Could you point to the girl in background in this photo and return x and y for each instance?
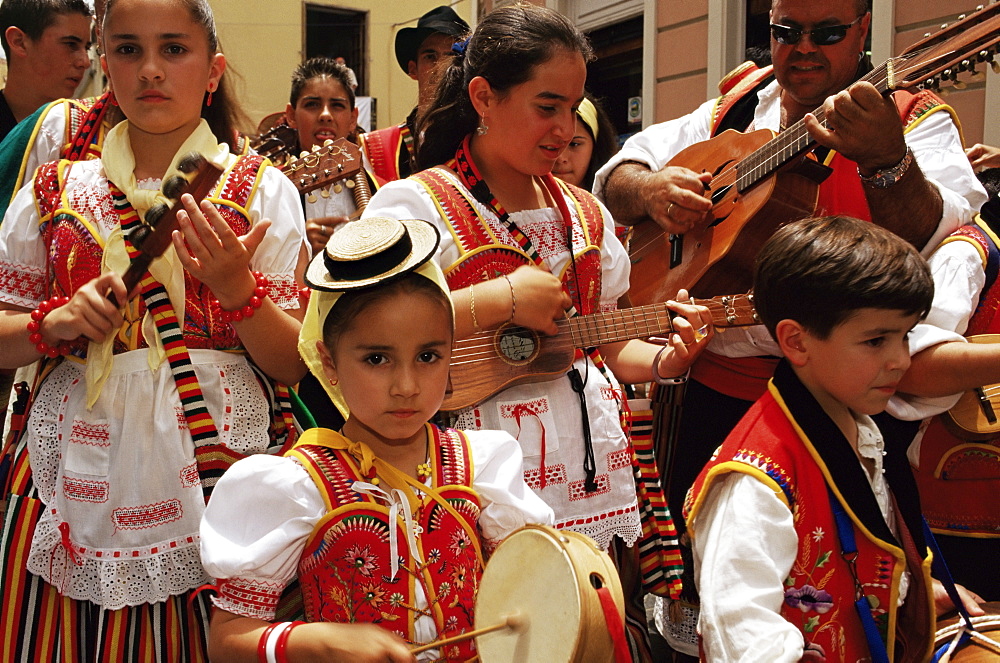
(595, 140)
(100, 542)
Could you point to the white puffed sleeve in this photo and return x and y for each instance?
(255, 528)
(498, 477)
(277, 200)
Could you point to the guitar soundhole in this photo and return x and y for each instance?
(516, 345)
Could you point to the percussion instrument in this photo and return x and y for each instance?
(540, 601)
(982, 647)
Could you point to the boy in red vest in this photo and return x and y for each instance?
(806, 526)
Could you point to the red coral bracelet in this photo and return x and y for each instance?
(256, 301)
(35, 328)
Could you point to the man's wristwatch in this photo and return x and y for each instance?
(886, 177)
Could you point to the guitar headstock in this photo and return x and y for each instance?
(276, 143)
(945, 56)
(152, 238)
(325, 164)
(731, 310)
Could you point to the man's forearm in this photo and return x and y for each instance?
(623, 193)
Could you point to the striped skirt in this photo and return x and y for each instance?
(38, 625)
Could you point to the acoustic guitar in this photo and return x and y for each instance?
(976, 415)
(492, 360)
(761, 181)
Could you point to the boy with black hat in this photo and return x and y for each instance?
(390, 151)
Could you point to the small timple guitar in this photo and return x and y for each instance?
(976, 416)
(492, 360)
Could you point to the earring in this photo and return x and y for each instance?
(482, 129)
(208, 102)
(111, 98)
(334, 382)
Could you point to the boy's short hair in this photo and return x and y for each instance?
(34, 16)
(315, 68)
(819, 270)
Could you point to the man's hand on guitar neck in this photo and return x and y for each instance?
(865, 127)
(676, 198)
(862, 125)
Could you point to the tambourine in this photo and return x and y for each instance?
(982, 647)
(548, 596)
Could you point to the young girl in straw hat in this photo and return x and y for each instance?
(386, 520)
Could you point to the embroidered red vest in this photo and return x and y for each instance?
(65, 232)
(345, 571)
(488, 251)
(958, 479)
(769, 445)
(384, 149)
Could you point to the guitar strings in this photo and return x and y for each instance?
(764, 160)
(601, 328)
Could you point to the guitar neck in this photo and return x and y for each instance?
(651, 320)
(795, 140)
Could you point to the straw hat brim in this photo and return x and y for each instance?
(361, 258)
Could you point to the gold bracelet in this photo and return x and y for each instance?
(513, 303)
(472, 306)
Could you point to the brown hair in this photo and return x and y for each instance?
(225, 115)
(505, 48)
(819, 270)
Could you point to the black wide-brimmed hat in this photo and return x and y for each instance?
(440, 19)
(369, 251)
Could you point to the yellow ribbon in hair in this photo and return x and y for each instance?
(588, 113)
(119, 167)
(320, 303)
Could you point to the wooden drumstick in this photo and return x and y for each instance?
(513, 622)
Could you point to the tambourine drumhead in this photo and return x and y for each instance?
(547, 578)
(973, 652)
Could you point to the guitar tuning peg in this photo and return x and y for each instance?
(324, 192)
(327, 143)
(995, 66)
(190, 163)
(154, 213)
(303, 153)
(977, 77)
(173, 187)
(944, 26)
(311, 197)
(926, 35)
(349, 184)
(315, 148)
(961, 17)
(337, 188)
(960, 85)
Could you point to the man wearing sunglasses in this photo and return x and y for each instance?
(898, 163)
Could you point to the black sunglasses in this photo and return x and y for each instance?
(824, 36)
